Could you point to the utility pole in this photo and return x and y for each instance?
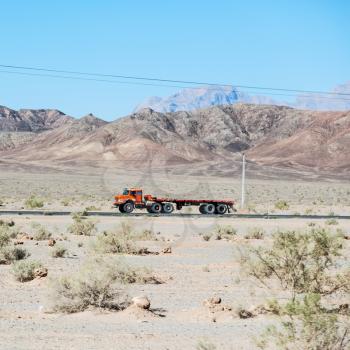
(243, 182)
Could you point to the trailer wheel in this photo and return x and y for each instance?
(156, 208)
(128, 207)
(209, 208)
(202, 208)
(221, 209)
(167, 208)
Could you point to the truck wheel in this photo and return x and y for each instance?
(202, 208)
(128, 207)
(210, 208)
(156, 208)
(121, 208)
(221, 209)
(167, 208)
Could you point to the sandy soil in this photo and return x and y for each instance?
(194, 271)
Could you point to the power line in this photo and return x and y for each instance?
(153, 84)
(172, 81)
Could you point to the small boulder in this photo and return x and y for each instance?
(244, 314)
(141, 302)
(166, 250)
(51, 242)
(40, 272)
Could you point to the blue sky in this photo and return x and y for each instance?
(289, 44)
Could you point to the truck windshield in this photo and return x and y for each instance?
(125, 192)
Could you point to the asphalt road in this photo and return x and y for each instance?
(118, 214)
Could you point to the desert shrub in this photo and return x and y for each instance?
(255, 233)
(206, 236)
(99, 283)
(305, 324)
(282, 205)
(9, 223)
(146, 235)
(82, 226)
(225, 231)
(40, 232)
(119, 241)
(25, 270)
(115, 242)
(34, 202)
(65, 202)
(59, 251)
(10, 254)
(331, 222)
(4, 236)
(300, 261)
(205, 345)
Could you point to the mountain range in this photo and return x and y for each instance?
(269, 135)
(196, 98)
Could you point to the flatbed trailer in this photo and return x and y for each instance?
(133, 198)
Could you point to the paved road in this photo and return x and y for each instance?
(118, 214)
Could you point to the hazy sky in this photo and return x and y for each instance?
(291, 44)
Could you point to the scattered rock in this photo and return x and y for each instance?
(18, 242)
(166, 250)
(40, 272)
(51, 242)
(141, 302)
(212, 301)
(244, 314)
(347, 236)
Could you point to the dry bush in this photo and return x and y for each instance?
(255, 233)
(205, 345)
(145, 235)
(331, 222)
(82, 226)
(34, 202)
(282, 205)
(119, 241)
(59, 251)
(306, 325)
(8, 253)
(40, 232)
(300, 261)
(206, 236)
(99, 283)
(25, 270)
(225, 232)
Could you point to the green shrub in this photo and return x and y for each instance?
(282, 205)
(306, 325)
(25, 270)
(300, 261)
(34, 202)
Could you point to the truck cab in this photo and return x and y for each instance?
(129, 199)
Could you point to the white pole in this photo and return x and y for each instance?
(243, 182)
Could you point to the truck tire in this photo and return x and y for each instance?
(210, 208)
(202, 208)
(167, 208)
(128, 207)
(121, 208)
(221, 209)
(156, 208)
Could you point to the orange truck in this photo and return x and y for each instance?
(132, 198)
